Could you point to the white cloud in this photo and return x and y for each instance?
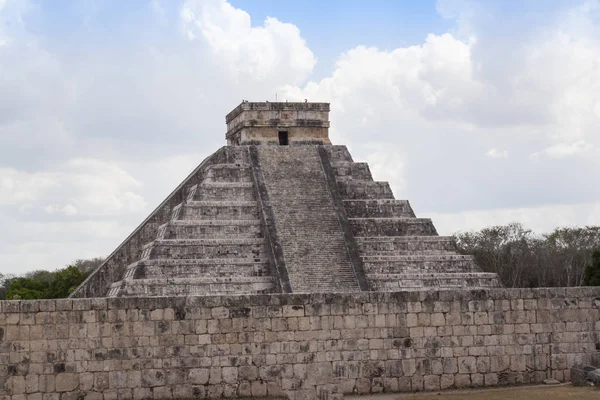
(432, 79)
(17, 187)
(51, 208)
(386, 165)
(68, 209)
(494, 153)
(92, 187)
(448, 104)
(562, 150)
(54, 244)
(541, 219)
(276, 48)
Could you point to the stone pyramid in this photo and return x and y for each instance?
(281, 210)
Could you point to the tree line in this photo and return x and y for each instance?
(43, 284)
(567, 256)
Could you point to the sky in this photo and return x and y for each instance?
(479, 113)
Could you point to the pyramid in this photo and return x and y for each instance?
(282, 210)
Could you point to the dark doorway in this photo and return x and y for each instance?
(283, 138)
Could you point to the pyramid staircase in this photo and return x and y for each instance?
(212, 244)
(399, 251)
(313, 244)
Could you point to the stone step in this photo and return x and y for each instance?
(166, 262)
(355, 189)
(405, 245)
(392, 227)
(205, 248)
(229, 173)
(242, 191)
(443, 263)
(206, 229)
(216, 270)
(198, 286)
(142, 267)
(235, 155)
(352, 170)
(420, 258)
(161, 268)
(338, 153)
(326, 283)
(378, 208)
(219, 210)
(394, 282)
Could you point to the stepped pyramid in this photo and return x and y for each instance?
(280, 210)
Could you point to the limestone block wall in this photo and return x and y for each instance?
(259, 123)
(294, 344)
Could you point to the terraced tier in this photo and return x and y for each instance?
(205, 248)
(359, 189)
(405, 245)
(197, 286)
(398, 250)
(224, 173)
(205, 229)
(419, 281)
(392, 227)
(212, 244)
(419, 263)
(378, 208)
(351, 170)
(239, 191)
(219, 210)
(338, 154)
(193, 268)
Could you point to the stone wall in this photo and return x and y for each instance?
(207, 347)
(259, 123)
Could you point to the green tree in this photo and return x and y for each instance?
(46, 284)
(4, 284)
(64, 282)
(592, 271)
(26, 289)
(523, 258)
(87, 266)
(40, 276)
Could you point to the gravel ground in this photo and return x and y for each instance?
(554, 392)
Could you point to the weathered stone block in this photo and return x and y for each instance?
(66, 382)
(431, 382)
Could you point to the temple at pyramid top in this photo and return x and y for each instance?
(279, 123)
(282, 210)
